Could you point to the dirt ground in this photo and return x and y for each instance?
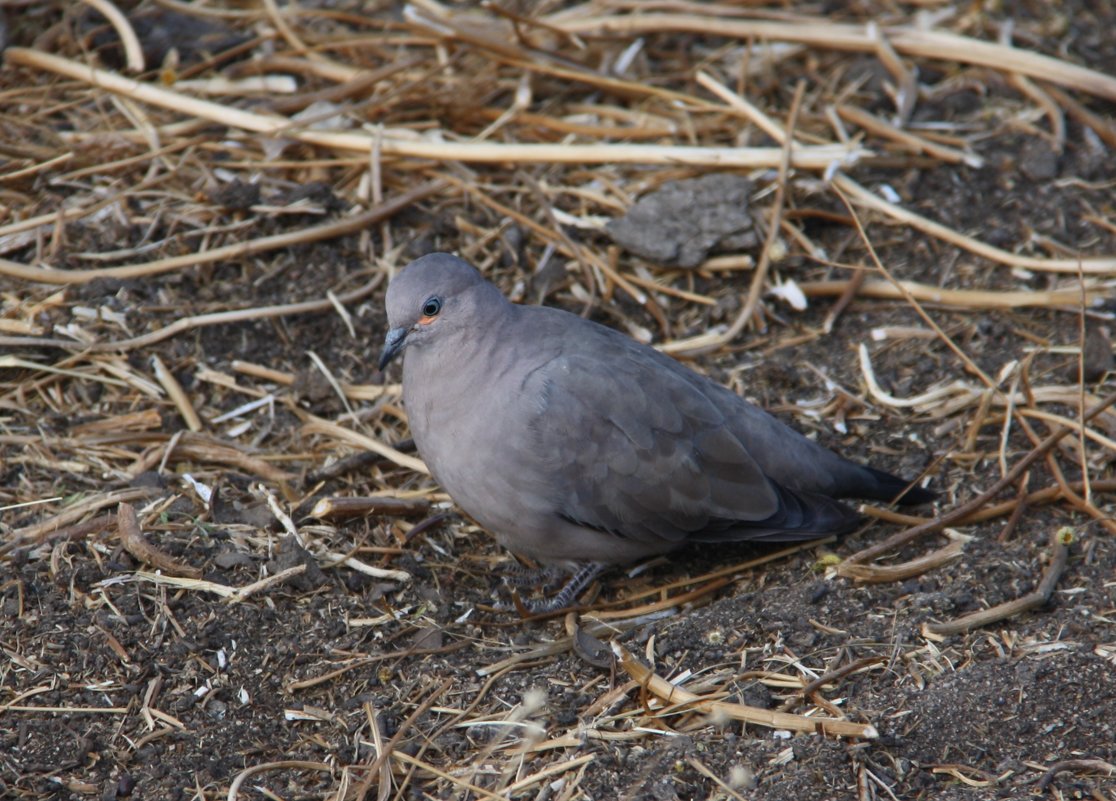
(377, 664)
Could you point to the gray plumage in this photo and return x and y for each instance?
(572, 442)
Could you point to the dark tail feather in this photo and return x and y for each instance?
(800, 516)
(886, 487)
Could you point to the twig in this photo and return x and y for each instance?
(1099, 765)
(316, 425)
(672, 694)
(959, 513)
(74, 532)
(909, 40)
(703, 769)
(863, 197)
(1100, 127)
(851, 289)
(1022, 503)
(373, 770)
(68, 710)
(346, 225)
(476, 790)
(906, 139)
(38, 531)
(907, 94)
(185, 324)
(1032, 600)
(345, 507)
(877, 574)
(133, 52)
(131, 537)
(231, 595)
(1052, 110)
(704, 343)
(177, 394)
(961, 298)
(286, 764)
(839, 673)
(807, 158)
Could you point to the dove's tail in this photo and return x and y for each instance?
(799, 516)
(880, 486)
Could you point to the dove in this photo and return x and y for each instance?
(577, 446)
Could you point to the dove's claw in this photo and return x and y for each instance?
(579, 580)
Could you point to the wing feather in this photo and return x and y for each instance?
(641, 451)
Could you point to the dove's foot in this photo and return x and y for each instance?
(544, 577)
(581, 578)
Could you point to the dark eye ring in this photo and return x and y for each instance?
(432, 307)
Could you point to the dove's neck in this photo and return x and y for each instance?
(445, 378)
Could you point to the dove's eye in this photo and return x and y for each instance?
(432, 307)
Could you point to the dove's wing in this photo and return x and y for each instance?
(637, 448)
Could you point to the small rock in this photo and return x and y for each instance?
(1038, 161)
(427, 638)
(236, 195)
(231, 558)
(684, 221)
(311, 386)
(291, 554)
(1097, 355)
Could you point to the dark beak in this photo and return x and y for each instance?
(393, 343)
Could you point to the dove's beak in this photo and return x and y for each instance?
(393, 343)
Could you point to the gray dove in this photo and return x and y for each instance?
(576, 445)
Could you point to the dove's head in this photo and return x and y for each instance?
(434, 299)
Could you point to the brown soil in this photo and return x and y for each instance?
(116, 684)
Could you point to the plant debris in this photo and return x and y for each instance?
(224, 572)
(684, 222)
